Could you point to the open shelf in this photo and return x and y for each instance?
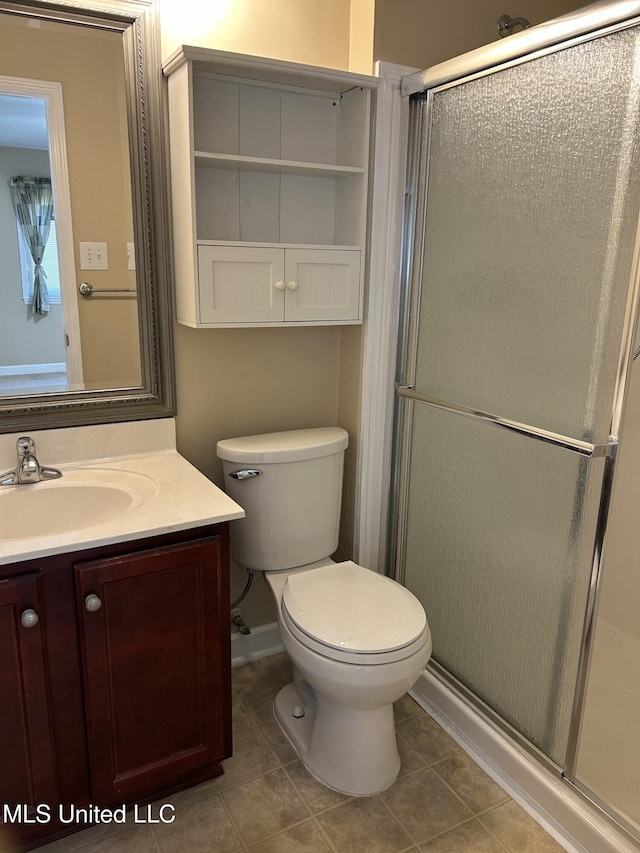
(269, 189)
(273, 166)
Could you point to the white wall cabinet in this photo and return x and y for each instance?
(259, 285)
(269, 175)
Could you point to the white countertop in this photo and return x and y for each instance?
(176, 497)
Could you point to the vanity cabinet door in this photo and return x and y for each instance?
(28, 771)
(154, 629)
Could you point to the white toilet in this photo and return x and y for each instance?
(357, 639)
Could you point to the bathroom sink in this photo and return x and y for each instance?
(84, 497)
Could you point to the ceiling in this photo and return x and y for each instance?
(23, 122)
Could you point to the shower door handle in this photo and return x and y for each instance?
(244, 474)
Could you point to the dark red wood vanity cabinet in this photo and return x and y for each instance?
(115, 682)
(27, 775)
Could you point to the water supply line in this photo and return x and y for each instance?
(236, 613)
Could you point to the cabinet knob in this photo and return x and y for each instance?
(292, 285)
(29, 618)
(279, 285)
(92, 603)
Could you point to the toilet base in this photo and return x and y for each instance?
(351, 750)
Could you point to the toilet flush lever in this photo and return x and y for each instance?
(244, 474)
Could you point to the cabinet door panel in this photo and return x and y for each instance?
(27, 774)
(327, 284)
(237, 285)
(154, 695)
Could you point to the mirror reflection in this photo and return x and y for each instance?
(65, 211)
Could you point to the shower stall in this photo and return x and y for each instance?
(515, 521)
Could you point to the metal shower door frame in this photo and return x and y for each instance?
(598, 20)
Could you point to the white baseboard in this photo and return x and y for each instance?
(552, 802)
(28, 369)
(260, 643)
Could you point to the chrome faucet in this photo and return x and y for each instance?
(28, 469)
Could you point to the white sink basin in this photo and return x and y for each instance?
(83, 497)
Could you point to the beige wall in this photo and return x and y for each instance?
(234, 382)
(421, 33)
(91, 70)
(361, 36)
(296, 30)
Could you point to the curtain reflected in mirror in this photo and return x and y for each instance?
(33, 199)
(63, 125)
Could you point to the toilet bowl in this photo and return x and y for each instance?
(357, 640)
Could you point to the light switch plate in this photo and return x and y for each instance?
(93, 256)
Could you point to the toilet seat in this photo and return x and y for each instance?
(351, 614)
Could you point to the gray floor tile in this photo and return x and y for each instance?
(424, 805)
(471, 837)
(364, 824)
(280, 745)
(138, 840)
(265, 806)
(518, 831)
(470, 782)
(268, 802)
(306, 837)
(100, 831)
(252, 672)
(428, 739)
(257, 698)
(317, 796)
(59, 846)
(200, 827)
(252, 756)
(410, 759)
(241, 717)
(406, 707)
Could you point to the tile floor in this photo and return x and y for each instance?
(267, 802)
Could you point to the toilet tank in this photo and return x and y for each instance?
(290, 486)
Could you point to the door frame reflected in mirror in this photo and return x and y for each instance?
(136, 20)
(50, 93)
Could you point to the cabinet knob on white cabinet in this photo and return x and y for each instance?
(29, 618)
(279, 285)
(292, 285)
(92, 603)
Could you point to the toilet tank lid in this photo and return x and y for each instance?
(290, 446)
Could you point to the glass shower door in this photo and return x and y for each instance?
(528, 197)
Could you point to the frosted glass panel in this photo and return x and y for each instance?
(608, 760)
(499, 541)
(533, 199)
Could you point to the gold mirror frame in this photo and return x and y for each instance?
(136, 20)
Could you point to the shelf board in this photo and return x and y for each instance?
(278, 167)
(270, 70)
(253, 244)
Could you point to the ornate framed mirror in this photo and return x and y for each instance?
(85, 301)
